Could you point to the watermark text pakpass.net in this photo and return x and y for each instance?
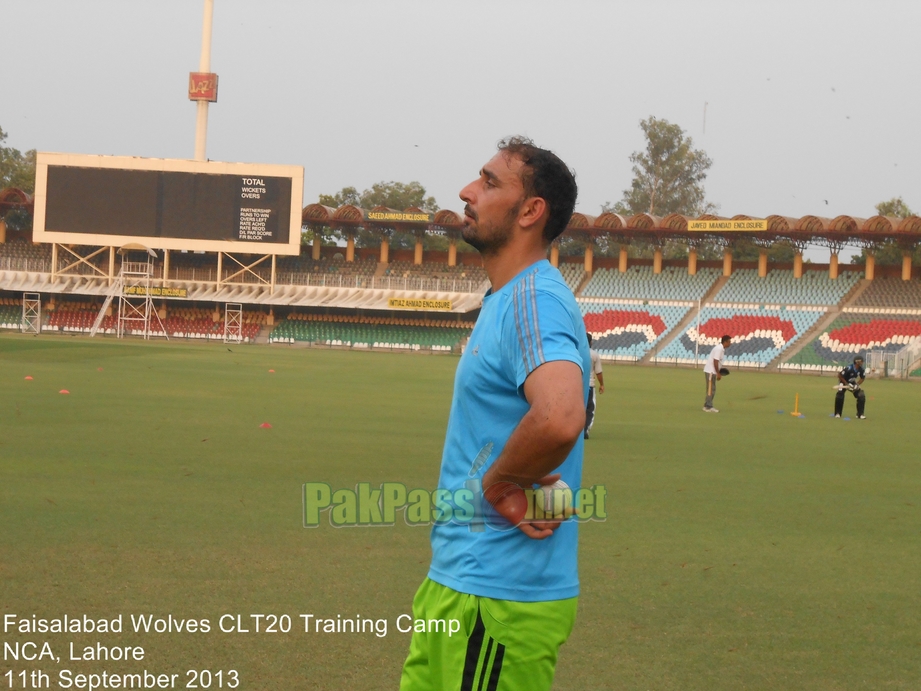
(370, 506)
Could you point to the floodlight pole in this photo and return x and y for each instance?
(204, 65)
(697, 340)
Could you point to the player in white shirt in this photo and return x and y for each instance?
(596, 374)
(712, 373)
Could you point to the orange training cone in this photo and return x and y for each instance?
(265, 425)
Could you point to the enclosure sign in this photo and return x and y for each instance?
(728, 225)
(417, 304)
(399, 216)
(157, 292)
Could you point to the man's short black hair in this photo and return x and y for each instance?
(544, 175)
(589, 337)
(725, 338)
(858, 357)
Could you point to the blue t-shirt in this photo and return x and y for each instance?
(531, 320)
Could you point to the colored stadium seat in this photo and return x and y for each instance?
(779, 287)
(628, 331)
(376, 332)
(639, 282)
(759, 335)
(854, 334)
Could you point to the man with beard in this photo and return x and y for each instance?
(517, 415)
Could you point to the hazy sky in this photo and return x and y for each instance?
(807, 101)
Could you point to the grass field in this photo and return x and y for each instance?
(745, 550)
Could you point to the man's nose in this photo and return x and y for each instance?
(467, 195)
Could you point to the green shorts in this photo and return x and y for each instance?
(500, 645)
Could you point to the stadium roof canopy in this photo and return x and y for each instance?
(799, 231)
(616, 227)
(12, 198)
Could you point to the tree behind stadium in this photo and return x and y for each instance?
(17, 170)
(668, 178)
(393, 195)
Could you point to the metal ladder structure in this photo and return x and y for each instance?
(114, 290)
(31, 313)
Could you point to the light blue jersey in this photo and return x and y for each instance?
(533, 319)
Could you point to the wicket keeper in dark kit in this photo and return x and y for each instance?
(851, 378)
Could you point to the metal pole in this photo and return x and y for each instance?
(204, 65)
(697, 340)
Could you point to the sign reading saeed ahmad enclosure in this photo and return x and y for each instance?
(418, 304)
(400, 216)
(753, 224)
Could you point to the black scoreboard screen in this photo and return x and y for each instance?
(181, 209)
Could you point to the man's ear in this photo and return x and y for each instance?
(533, 211)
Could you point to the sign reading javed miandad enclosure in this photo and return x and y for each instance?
(729, 225)
(168, 204)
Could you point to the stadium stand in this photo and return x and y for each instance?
(185, 322)
(629, 331)
(327, 265)
(856, 333)
(435, 270)
(19, 255)
(573, 274)
(10, 313)
(181, 322)
(759, 335)
(779, 287)
(76, 317)
(639, 282)
(889, 293)
(371, 332)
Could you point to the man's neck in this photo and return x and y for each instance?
(510, 261)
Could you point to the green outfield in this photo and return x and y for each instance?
(745, 550)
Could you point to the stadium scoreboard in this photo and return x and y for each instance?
(168, 203)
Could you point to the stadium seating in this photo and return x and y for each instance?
(186, 322)
(890, 293)
(18, 255)
(435, 270)
(181, 322)
(10, 313)
(854, 334)
(759, 335)
(628, 331)
(75, 316)
(573, 274)
(639, 282)
(327, 265)
(779, 287)
(374, 332)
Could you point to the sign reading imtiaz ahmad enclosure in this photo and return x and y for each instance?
(157, 292)
(729, 225)
(418, 304)
(399, 216)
